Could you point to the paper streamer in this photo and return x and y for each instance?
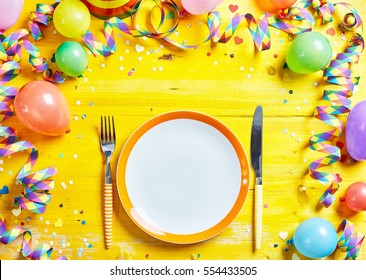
(37, 184)
(259, 29)
(42, 252)
(349, 241)
(11, 54)
(339, 74)
(41, 17)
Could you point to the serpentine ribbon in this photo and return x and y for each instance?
(42, 252)
(338, 73)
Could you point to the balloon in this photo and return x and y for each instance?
(315, 238)
(199, 7)
(308, 53)
(112, 8)
(283, 4)
(71, 18)
(356, 196)
(71, 58)
(356, 133)
(42, 108)
(267, 6)
(9, 12)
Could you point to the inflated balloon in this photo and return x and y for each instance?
(308, 53)
(112, 8)
(267, 6)
(71, 18)
(283, 4)
(200, 7)
(42, 108)
(71, 58)
(315, 238)
(356, 133)
(356, 196)
(9, 12)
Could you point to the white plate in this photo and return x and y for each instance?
(183, 177)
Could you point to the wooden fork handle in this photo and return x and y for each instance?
(108, 214)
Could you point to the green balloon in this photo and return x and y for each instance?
(309, 53)
(71, 58)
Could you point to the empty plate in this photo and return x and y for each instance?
(183, 177)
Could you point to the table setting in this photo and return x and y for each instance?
(182, 130)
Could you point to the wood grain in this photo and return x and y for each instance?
(226, 81)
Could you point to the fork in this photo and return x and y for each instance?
(108, 144)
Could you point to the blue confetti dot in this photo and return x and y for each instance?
(83, 222)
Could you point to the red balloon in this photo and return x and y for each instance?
(356, 196)
(283, 4)
(42, 108)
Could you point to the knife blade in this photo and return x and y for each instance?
(256, 144)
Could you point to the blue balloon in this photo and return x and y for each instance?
(315, 238)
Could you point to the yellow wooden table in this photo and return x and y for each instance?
(147, 77)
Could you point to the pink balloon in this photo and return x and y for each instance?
(42, 108)
(199, 7)
(356, 196)
(9, 12)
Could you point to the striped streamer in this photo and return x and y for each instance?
(41, 17)
(42, 252)
(349, 241)
(339, 74)
(36, 185)
(11, 55)
(259, 29)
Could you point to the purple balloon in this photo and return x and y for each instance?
(356, 132)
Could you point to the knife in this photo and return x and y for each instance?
(256, 159)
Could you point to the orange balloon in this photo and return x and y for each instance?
(42, 108)
(283, 4)
(267, 6)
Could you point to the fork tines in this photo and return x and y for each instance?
(107, 132)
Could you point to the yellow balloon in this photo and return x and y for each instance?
(71, 18)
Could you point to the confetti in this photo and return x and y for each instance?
(4, 190)
(16, 212)
(58, 223)
(283, 235)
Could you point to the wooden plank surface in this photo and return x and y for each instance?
(226, 81)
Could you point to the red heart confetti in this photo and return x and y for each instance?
(233, 8)
(331, 31)
(238, 40)
(340, 144)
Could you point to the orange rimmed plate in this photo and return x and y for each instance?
(183, 177)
